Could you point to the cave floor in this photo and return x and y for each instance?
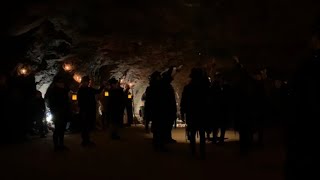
(132, 157)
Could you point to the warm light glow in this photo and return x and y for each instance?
(106, 93)
(74, 97)
(23, 71)
(129, 96)
(122, 81)
(67, 67)
(77, 78)
(130, 85)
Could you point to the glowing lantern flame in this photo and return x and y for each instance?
(23, 71)
(106, 93)
(67, 67)
(77, 78)
(74, 97)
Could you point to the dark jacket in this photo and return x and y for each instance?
(194, 104)
(87, 98)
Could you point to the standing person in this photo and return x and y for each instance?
(57, 97)
(218, 109)
(142, 110)
(106, 107)
(154, 111)
(128, 104)
(303, 132)
(194, 108)
(169, 108)
(88, 108)
(116, 107)
(39, 108)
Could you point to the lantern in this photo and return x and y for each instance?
(23, 71)
(67, 67)
(129, 96)
(77, 78)
(106, 93)
(74, 97)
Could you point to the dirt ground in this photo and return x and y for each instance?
(132, 157)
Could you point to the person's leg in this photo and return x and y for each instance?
(222, 134)
(56, 137)
(129, 115)
(192, 139)
(202, 143)
(84, 129)
(62, 130)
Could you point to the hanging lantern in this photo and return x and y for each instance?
(77, 78)
(74, 97)
(106, 93)
(23, 70)
(67, 67)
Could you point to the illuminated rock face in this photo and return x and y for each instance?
(136, 37)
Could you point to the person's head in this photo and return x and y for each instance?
(113, 83)
(127, 86)
(167, 76)
(196, 74)
(59, 82)
(85, 81)
(38, 94)
(155, 76)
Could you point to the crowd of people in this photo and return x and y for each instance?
(208, 106)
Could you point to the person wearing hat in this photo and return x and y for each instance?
(88, 108)
(116, 107)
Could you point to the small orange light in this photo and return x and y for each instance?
(74, 97)
(77, 78)
(129, 96)
(67, 67)
(23, 71)
(106, 93)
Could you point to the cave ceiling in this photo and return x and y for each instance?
(106, 38)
